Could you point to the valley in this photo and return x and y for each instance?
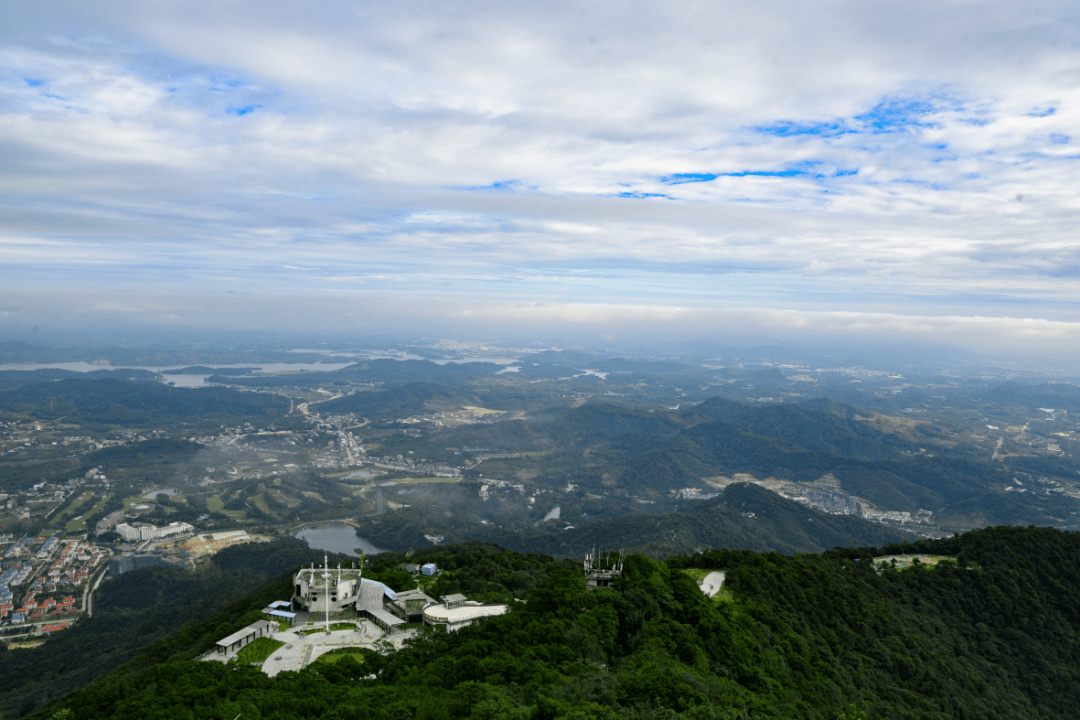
(414, 449)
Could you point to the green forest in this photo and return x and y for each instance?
(989, 632)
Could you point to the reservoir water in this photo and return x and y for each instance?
(182, 380)
(339, 538)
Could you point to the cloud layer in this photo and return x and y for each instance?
(906, 159)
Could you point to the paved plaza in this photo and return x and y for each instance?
(300, 650)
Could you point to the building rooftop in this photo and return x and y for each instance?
(245, 632)
(416, 594)
(462, 613)
(385, 617)
(386, 590)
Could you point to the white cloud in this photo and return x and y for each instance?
(904, 157)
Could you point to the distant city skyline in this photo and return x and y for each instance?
(850, 172)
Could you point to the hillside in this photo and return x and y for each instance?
(1044, 395)
(991, 633)
(390, 372)
(18, 378)
(139, 608)
(822, 425)
(405, 401)
(894, 464)
(110, 400)
(744, 516)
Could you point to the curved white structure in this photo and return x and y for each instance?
(458, 617)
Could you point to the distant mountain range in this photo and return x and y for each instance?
(894, 465)
(110, 400)
(390, 372)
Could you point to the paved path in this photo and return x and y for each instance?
(88, 593)
(300, 650)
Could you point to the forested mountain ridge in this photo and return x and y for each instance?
(821, 424)
(110, 400)
(404, 401)
(894, 464)
(18, 378)
(744, 515)
(992, 633)
(392, 372)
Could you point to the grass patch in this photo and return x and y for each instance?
(78, 502)
(699, 575)
(284, 499)
(135, 500)
(259, 650)
(334, 656)
(260, 502)
(99, 504)
(63, 519)
(313, 495)
(417, 480)
(322, 628)
(215, 504)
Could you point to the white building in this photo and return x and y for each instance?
(326, 589)
(129, 532)
(174, 528)
(451, 616)
(146, 531)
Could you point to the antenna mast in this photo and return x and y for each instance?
(326, 589)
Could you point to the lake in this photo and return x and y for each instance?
(339, 538)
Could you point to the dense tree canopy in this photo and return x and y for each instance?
(993, 634)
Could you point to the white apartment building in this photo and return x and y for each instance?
(146, 531)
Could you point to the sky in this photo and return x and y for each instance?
(718, 170)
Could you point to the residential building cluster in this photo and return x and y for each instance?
(72, 568)
(54, 569)
(20, 549)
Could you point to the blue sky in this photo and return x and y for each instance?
(843, 169)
